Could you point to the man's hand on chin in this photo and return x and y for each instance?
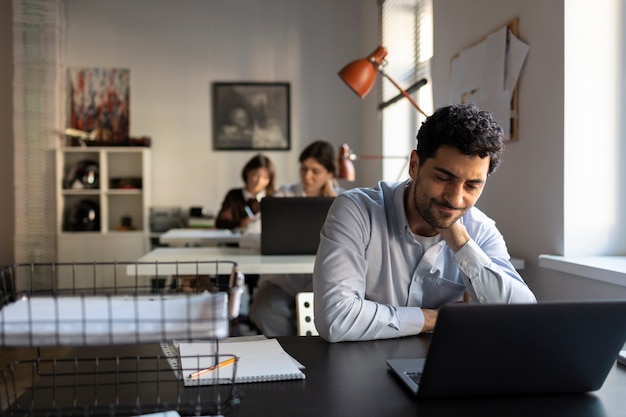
(455, 236)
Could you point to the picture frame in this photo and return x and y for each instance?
(251, 116)
(99, 103)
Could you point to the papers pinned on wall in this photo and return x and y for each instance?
(487, 74)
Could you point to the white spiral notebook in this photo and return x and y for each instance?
(257, 361)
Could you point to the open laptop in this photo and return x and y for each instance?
(291, 225)
(518, 349)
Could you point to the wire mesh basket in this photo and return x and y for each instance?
(108, 386)
(95, 313)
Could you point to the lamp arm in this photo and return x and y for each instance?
(354, 157)
(421, 83)
(404, 93)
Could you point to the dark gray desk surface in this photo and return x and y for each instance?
(352, 379)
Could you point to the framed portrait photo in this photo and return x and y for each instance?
(251, 116)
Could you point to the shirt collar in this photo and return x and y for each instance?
(402, 221)
(247, 195)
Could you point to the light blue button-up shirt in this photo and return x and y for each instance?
(372, 275)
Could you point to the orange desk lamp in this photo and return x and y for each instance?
(360, 76)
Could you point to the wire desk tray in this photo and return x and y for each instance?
(96, 311)
(109, 386)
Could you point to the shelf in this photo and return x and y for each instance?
(81, 192)
(124, 192)
(97, 169)
(115, 195)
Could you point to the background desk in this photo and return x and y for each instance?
(248, 260)
(199, 237)
(352, 379)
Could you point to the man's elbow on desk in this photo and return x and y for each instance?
(332, 327)
(385, 322)
(324, 325)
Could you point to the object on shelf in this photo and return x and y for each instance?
(83, 175)
(198, 211)
(200, 217)
(84, 216)
(76, 137)
(141, 141)
(80, 135)
(126, 224)
(163, 219)
(126, 183)
(201, 222)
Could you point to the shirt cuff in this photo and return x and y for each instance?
(411, 320)
(471, 259)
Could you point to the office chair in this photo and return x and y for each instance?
(304, 313)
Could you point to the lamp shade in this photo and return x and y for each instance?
(361, 74)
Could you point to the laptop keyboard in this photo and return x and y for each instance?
(415, 376)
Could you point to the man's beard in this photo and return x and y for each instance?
(427, 208)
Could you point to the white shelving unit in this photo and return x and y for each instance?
(121, 192)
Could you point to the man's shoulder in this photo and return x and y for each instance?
(381, 192)
(371, 202)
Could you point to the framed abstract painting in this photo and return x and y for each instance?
(99, 103)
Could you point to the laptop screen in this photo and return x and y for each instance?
(291, 225)
(519, 349)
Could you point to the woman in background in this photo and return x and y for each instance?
(241, 204)
(273, 308)
(317, 173)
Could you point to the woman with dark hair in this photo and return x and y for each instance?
(317, 173)
(241, 204)
(273, 308)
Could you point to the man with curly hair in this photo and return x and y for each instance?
(390, 256)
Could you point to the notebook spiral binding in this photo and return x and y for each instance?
(79, 326)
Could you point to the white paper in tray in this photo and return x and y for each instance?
(105, 320)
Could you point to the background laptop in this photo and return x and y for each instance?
(518, 349)
(291, 225)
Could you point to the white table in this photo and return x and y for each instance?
(186, 261)
(190, 261)
(179, 261)
(198, 237)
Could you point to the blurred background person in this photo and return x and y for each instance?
(241, 204)
(273, 307)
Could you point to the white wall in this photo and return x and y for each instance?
(525, 196)
(595, 184)
(176, 49)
